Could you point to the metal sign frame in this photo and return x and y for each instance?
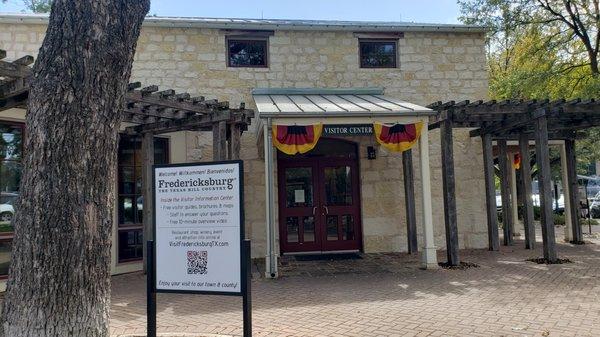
(245, 257)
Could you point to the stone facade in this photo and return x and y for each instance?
(433, 66)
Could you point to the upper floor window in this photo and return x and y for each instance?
(247, 52)
(378, 53)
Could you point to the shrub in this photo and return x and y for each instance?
(559, 219)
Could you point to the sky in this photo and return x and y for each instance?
(431, 11)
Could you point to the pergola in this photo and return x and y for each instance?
(537, 121)
(148, 112)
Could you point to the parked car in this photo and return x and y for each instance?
(7, 210)
(595, 206)
(593, 187)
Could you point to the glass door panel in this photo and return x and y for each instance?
(338, 185)
(308, 229)
(340, 206)
(332, 227)
(299, 187)
(297, 207)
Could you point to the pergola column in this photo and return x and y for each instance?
(572, 191)
(428, 257)
(544, 177)
(220, 141)
(409, 201)
(516, 225)
(235, 135)
(490, 193)
(147, 183)
(271, 258)
(506, 193)
(526, 201)
(449, 187)
(564, 171)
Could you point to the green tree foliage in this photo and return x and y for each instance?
(37, 6)
(541, 49)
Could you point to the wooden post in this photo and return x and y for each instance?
(543, 162)
(147, 213)
(490, 193)
(449, 192)
(235, 141)
(526, 195)
(409, 201)
(573, 190)
(564, 172)
(506, 193)
(220, 140)
(516, 226)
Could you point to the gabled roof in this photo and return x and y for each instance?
(317, 102)
(272, 24)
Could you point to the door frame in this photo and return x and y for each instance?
(283, 163)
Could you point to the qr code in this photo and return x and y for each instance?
(196, 262)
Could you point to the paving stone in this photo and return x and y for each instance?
(388, 295)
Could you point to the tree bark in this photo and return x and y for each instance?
(59, 280)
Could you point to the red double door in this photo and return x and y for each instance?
(319, 206)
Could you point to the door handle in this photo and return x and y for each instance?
(326, 210)
(314, 210)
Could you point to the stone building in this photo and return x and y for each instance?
(229, 58)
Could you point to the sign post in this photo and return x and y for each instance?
(199, 245)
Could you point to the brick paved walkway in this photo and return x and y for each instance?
(505, 296)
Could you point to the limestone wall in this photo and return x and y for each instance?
(432, 67)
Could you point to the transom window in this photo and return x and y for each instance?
(378, 53)
(247, 52)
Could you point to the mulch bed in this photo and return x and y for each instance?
(461, 266)
(541, 260)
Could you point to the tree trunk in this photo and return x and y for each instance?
(59, 281)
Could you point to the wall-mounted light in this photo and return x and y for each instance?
(371, 153)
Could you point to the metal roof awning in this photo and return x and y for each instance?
(358, 104)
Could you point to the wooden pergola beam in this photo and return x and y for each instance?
(14, 70)
(181, 124)
(14, 101)
(555, 135)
